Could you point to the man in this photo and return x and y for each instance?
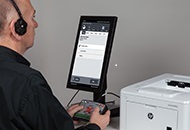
(26, 100)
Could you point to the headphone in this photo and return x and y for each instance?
(21, 24)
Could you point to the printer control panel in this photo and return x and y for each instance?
(179, 84)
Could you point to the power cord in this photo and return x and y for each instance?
(97, 100)
(72, 98)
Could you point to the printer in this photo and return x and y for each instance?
(159, 103)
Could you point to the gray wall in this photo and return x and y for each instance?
(152, 37)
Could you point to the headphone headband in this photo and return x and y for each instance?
(16, 7)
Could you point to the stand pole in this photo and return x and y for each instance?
(97, 96)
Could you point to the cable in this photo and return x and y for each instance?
(97, 100)
(108, 93)
(113, 94)
(72, 98)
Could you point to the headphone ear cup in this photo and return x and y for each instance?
(20, 26)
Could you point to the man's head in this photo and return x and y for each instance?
(14, 17)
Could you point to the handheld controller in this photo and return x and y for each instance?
(89, 107)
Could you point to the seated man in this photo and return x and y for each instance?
(28, 102)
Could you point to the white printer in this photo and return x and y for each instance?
(159, 103)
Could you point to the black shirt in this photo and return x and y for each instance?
(26, 100)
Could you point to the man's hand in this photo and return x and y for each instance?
(101, 120)
(73, 109)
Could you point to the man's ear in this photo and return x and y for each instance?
(12, 28)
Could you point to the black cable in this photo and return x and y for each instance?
(113, 94)
(97, 100)
(72, 98)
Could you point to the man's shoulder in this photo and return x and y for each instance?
(19, 69)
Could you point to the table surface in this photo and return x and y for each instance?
(114, 124)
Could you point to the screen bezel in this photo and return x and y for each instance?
(112, 21)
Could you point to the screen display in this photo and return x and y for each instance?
(90, 52)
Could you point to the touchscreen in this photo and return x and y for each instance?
(90, 53)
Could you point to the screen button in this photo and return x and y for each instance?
(94, 81)
(77, 79)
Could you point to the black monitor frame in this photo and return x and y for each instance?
(101, 88)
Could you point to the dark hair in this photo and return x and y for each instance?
(5, 7)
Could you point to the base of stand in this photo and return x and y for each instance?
(114, 109)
